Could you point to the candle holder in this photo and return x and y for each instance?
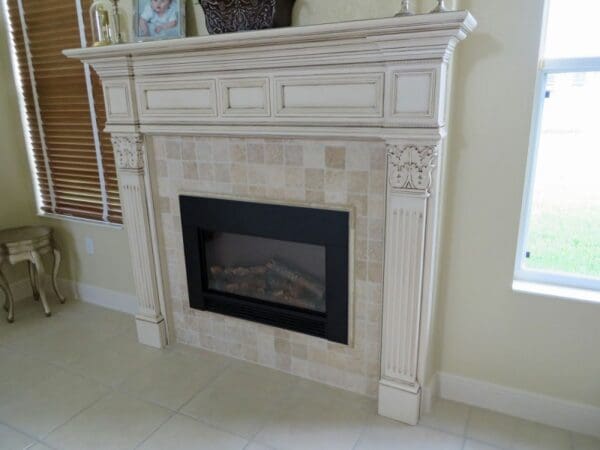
(441, 7)
(404, 9)
(116, 38)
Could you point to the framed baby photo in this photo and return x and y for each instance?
(158, 19)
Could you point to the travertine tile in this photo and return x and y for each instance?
(317, 172)
(335, 157)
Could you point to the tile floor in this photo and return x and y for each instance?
(79, 380)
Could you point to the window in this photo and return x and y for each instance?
(559, 239)
(63, 111)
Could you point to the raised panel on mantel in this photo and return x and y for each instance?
(342, 95)
(245, 97)
(415, 96)
(118, 101)
(177, 100)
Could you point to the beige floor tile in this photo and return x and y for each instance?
(29, 321)
(240, 401)
(13, 440)
(201, 354)
(63, 345)
(172, 380)
(533, 436)
(384, 434)
(325, 420)
(447, 416)
(39, 447)
(51, 403)
(120, 357)
(118, 421)
(184, 433)
(319, 392)
(475, 445)
(21, 373)
(491, 428)
(581, 442)
(257, 446)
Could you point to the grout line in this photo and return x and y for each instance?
(24, 433)
(153, 432)
(75, 415)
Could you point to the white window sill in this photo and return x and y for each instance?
(114, 226)
(550, 290)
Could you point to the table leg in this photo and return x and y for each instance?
(61, 297)
(39, 266)
(9, 302)
(35, 282)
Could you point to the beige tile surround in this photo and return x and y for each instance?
(318, 173)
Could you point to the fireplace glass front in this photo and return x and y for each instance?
(285, 266)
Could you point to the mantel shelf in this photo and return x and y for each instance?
(458, 23)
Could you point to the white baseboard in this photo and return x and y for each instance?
(88, 293)
(577, 417)
(431, 391)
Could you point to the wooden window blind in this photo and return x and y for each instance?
(64, 108)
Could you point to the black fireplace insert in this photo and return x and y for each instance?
(280, 265)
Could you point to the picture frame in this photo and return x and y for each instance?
(158, 19)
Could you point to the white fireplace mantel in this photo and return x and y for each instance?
(383, 79)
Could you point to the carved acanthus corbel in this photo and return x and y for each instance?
(129, 151)
(411, 166)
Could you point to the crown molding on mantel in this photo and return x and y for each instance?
(384, 36)
(383, 79)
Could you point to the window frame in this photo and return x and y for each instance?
(539, 281)
(41, 206)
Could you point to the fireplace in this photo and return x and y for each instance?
(280, 265)
(349, 114)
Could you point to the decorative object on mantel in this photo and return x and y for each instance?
(158, 19)
(441, 7)
(103, 31)
(405, 9)
(29, 244)
(116, 18)
(228, 16)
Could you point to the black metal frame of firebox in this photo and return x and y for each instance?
(327, 228)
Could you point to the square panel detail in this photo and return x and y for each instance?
(243, 97)
(415, 96)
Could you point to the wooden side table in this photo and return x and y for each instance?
(29, 244)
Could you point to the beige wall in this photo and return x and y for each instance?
(16, 194)
(486, 331)
(17, 201)
(489, 332)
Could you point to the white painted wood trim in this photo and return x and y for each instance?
(106, 298)
(37, 108)
(93, 117)
(552, 411)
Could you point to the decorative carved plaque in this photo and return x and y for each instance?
(411, 166)
(129, 151)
